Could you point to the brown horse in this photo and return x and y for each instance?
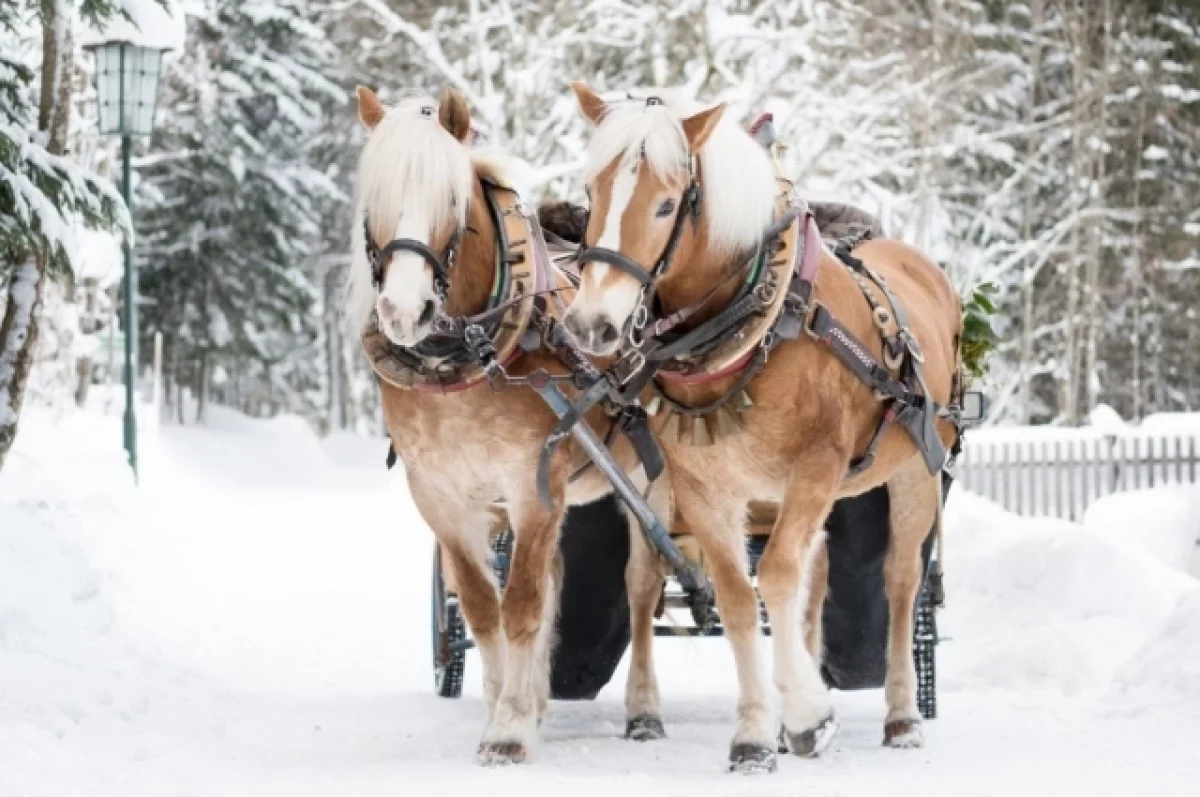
(433, 254)
(680, 197)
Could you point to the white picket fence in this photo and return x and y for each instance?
(1061, 473)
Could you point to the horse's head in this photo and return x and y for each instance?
(415, 182)
(668, 182)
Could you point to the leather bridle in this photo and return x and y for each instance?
(441, 264)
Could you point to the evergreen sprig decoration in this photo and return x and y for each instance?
(979, 338)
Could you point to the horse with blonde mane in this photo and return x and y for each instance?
(432, 243)
(839, 395)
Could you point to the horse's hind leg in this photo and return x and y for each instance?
(785, 581)
(527, 610)
(914, 495)
(643, 583)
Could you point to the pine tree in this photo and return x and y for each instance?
(44, 195)
(232, 207)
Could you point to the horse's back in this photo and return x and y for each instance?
(922, 288)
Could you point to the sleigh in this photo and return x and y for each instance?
(593, 623)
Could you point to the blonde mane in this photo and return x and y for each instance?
(736, 173)
(410, 165)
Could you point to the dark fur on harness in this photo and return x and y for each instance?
(564, 219)
(836, 220)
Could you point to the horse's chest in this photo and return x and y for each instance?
(459, 446)
(741, 465)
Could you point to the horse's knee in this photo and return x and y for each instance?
(778, 578)
(522, 609)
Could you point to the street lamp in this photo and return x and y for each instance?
(127, 89)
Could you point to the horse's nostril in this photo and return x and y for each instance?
(426, 313)
(606, 332)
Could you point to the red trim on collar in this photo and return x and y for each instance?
(705, 376)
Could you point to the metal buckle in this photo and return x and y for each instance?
(634, 356)
(765, 293)
(813, 306)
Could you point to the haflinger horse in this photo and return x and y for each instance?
(440, 234)
(685, 207)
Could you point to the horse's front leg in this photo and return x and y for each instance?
(528, 610)
(644, 584)
(785, 576)
(718, 520)
(464, 532)
(915, 497)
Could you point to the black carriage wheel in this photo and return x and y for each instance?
(449, 630)
(924, 653)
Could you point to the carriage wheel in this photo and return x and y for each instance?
(449, 631)
(924, 647)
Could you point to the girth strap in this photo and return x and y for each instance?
(912, 410)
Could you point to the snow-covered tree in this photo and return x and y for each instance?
(230, 208)
(44, 195)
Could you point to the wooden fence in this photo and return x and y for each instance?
(1061, 476)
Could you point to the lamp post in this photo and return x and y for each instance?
(127, 92)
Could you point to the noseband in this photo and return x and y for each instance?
(441, 264)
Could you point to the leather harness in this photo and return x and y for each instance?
(659, 353)
(465, 351)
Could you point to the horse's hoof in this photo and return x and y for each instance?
(812, 742)
(751, 758)
(645, 728)
(500, 754)
(903, 734)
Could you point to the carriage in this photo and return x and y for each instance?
(593, 624)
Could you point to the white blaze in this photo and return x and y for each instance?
(619, 300)
(408, 284)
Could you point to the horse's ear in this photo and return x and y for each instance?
(698, 127)
(590, 104)
(370, 109)
(455, 113)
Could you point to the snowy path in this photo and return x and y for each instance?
(250, 622)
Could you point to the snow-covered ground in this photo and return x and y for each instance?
(253, 620)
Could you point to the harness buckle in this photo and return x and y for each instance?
(629, 366)
(765, 293)
(815, 307)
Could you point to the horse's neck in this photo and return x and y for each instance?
(475, 269)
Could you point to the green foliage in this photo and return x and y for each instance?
(979, 339)
(229, 210)
(42, 196)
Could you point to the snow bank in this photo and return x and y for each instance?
(1163, 522)
(253, 619)
(1167, 668)
(1043, 602)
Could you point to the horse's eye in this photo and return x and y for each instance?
(666, 208)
